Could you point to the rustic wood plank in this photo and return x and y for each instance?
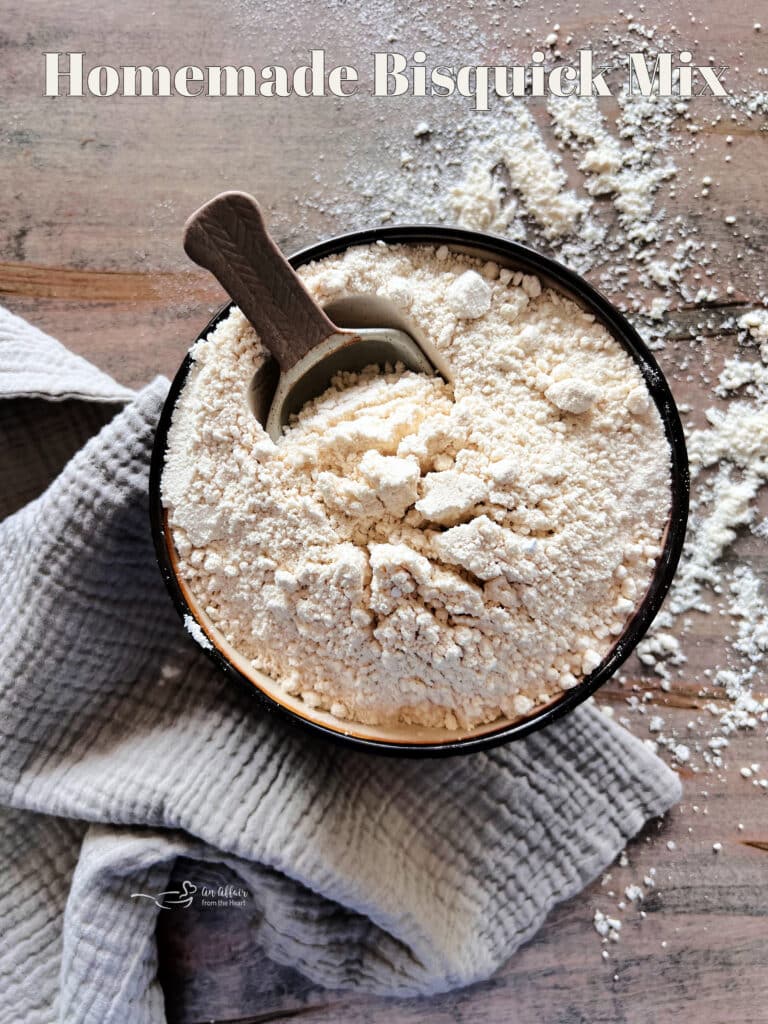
(44, 282)
(90, 224)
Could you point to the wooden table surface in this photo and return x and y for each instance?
(95, 193)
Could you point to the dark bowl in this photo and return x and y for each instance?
(412, 740)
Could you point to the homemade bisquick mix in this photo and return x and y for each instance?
(415, 550)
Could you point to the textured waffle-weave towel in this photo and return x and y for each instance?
(123, 748)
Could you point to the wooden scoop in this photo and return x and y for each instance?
(227, 236)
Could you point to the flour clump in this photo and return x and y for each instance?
(469, 296)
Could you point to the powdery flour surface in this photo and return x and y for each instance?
(417, 551)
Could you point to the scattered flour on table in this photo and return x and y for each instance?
(194, 629)
(613, 220)
(418, 551)
(729, 469)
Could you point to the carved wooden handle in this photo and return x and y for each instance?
(227, 236)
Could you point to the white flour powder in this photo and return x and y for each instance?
(414, 551)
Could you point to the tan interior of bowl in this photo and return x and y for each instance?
(358, 311)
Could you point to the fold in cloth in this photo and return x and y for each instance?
(124, 748)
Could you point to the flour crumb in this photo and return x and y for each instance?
(195, 631)
(469, 296)
(573, 395)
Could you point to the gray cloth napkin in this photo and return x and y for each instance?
(123, 748)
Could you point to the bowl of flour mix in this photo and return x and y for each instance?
(427, 565)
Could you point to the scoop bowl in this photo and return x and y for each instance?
(228, 236)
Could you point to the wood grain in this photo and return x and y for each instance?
(45, 282)
(95, 195)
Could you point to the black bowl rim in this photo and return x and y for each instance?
(622, 330)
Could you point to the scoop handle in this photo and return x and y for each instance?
(227, 236)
